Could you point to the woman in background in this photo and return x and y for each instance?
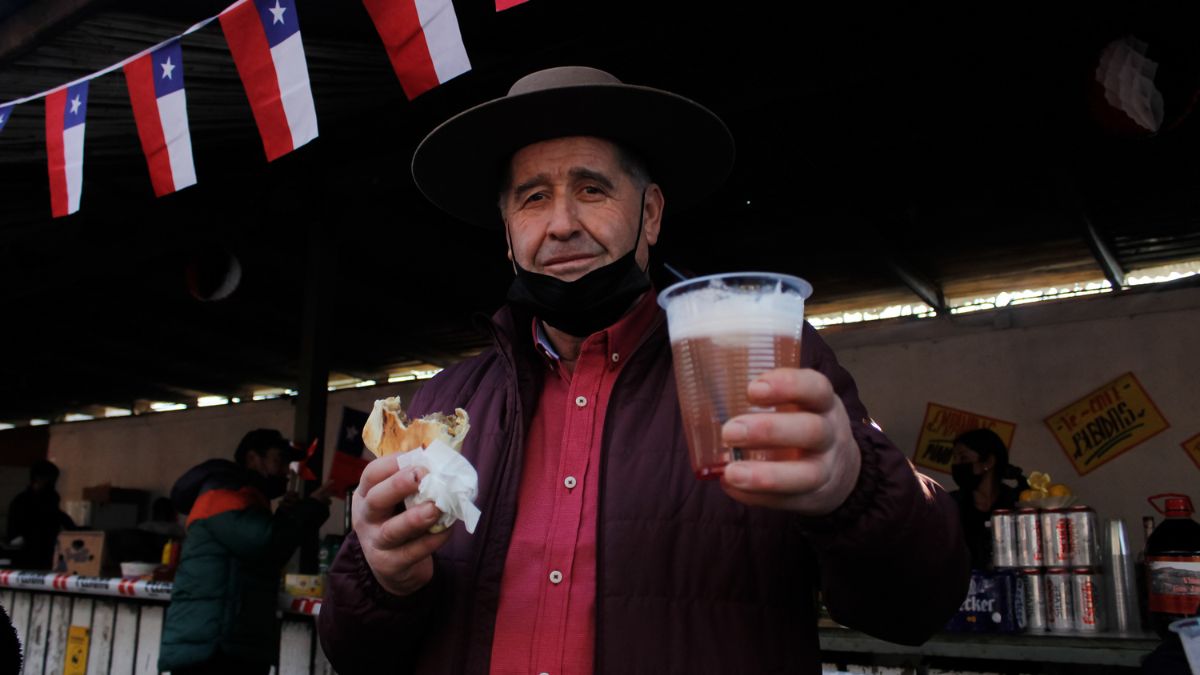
(980, 466)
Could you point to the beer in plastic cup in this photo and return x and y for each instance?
(726, 330)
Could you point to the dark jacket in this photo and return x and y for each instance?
(974, 522)
(226, 589)
(36, 518)
(688, 580)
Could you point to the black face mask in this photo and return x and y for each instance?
(965, 477)
(592, 302)
(270, 486)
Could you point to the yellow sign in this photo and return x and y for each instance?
(77, 651)
(1105, 423)
(943, 424)
(1192, 446)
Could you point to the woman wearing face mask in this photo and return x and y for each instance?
(980, 466)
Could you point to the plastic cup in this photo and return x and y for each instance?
(726, 330)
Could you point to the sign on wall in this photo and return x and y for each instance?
(1105, 423)
(1192, 446)
(943, 424)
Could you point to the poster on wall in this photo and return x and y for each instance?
(943, 424)
(1192, 447)
(1106, 422)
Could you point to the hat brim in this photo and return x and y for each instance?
(688, 149)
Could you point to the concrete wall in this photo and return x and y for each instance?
(1023, 363)
(149, 452)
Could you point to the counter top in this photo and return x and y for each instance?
(1101, 648)
(124, 588)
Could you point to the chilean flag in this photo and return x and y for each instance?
(66, 109)
(422, 40)
(264, 38)
(155, 84)
(5, 112)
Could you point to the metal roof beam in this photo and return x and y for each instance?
(29, 26)
(1113, 271)
(929, 291)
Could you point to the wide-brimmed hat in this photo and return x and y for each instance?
(686, 147)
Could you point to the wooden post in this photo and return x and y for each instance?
(320, 274)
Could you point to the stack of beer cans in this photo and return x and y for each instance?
(1056, 555)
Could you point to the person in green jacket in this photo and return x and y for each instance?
(222, 613)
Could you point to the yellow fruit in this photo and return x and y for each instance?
(1059, 490)
(1026, 496)
(1039, 480)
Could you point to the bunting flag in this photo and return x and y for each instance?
(264, 38)
(155, 82)
(423, 41)
(66, 109)
(5, 112)
(502, 5)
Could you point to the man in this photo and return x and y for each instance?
(221, 619)
(34, 519)
(598, 549)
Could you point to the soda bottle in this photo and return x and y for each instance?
(1173, 563)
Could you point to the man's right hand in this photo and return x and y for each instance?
(398, 547)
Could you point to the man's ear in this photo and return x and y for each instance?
(652, 213)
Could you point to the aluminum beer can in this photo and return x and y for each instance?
(1086, 600)
(1056, 538)
(1029, 539)
(1085, 545)
(1060, 617)
(1032, 585)
(1004, 538)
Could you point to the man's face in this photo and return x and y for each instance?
(272, 463)
(570, 208)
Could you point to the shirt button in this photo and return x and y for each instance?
(570, 482)
(581, 401)
(616, 357)
(556, 577)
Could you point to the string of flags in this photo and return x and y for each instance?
(421, 37)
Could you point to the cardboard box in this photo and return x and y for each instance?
(81, 552)
(990, 605)
(304, 585)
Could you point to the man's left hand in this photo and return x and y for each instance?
(810, 418)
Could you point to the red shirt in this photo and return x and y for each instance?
(546, 621)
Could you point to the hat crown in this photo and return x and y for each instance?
(563, 76)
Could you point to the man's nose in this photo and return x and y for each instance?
(564, 219)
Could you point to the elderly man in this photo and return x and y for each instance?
(599, 550)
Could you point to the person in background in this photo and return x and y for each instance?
(222, 613)
(34, 519)
(979, 465)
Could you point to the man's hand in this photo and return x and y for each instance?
(809, 417)
(398, 547)
(323, 494)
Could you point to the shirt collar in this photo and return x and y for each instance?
(622, 337)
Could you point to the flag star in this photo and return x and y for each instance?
(277, 13)
(168, 68)
(75, 103)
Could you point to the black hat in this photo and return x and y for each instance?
(686, 147)
(261, 440)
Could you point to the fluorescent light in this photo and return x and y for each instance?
(4, 426)
(366, 383)
(165, 406)
(206, 401)
(408, 377)
(117, 412)
(77, 417)
(38, 422)
(235, 400)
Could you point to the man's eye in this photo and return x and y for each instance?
(535, 197)
(593, 190)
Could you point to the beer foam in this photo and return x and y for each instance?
(718, 310)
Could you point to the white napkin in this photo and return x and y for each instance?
(451, 484)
